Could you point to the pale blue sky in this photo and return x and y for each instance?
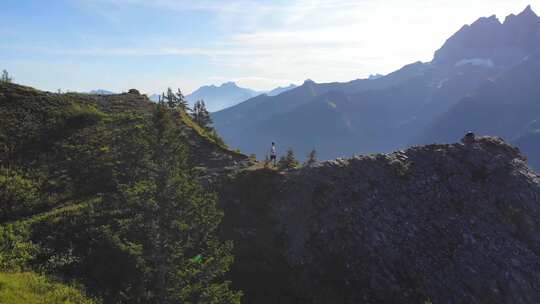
(120, 44)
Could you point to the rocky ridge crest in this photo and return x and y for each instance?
(456, 223)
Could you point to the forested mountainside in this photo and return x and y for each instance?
(116, 199)
(102, 192)
(468, 86)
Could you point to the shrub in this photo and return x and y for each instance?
(217, 139)
(18, 194)
(312, 158)
(79, 116)
(15, 249)
(288, 161)
(31, 288)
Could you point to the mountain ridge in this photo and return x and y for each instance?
(401, 105)
(219, 97)
(317, 234)
(320, 234)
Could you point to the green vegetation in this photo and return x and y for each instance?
(288, 161)
(30, 288)
(201, 115)
(263, 165)
(99, 191)
(5, 77)
(199, 120)
(18, 194)
(15, 248)
(311, 159)
(174, 100)
(211, 135)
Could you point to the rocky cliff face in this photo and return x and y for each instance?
(455, 223)
(502, 44)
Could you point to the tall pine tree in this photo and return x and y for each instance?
(5, 77)
(172, 221)
(201, 115)
(172, 100)
(182, 101)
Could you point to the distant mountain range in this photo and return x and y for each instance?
(280, 90)
(226, 95)
(101, 92)
(484, 79)
(220, 97)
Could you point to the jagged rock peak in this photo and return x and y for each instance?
(488, 38)
(526, 14)
(478, 152)
(528, 11)
(492, 20)
(229, 84)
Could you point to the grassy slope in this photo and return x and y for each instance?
(31, 288)
(26, 111)
(35, 127)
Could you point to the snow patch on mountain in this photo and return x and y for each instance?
(485, 62)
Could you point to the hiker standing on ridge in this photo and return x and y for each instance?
(273, 154)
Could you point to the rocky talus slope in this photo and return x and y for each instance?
(455, 223)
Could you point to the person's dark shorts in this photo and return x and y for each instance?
(272, 157)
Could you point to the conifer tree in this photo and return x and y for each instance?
(173, 220)
(201, 115)
(312, 158)
(182, 101)
(172, 101)
(161, 99)
(5, 77)
(288, 161)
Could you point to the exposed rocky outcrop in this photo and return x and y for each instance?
(455, 223)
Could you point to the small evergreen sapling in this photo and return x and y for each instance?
(288, 161)
(312, 158)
